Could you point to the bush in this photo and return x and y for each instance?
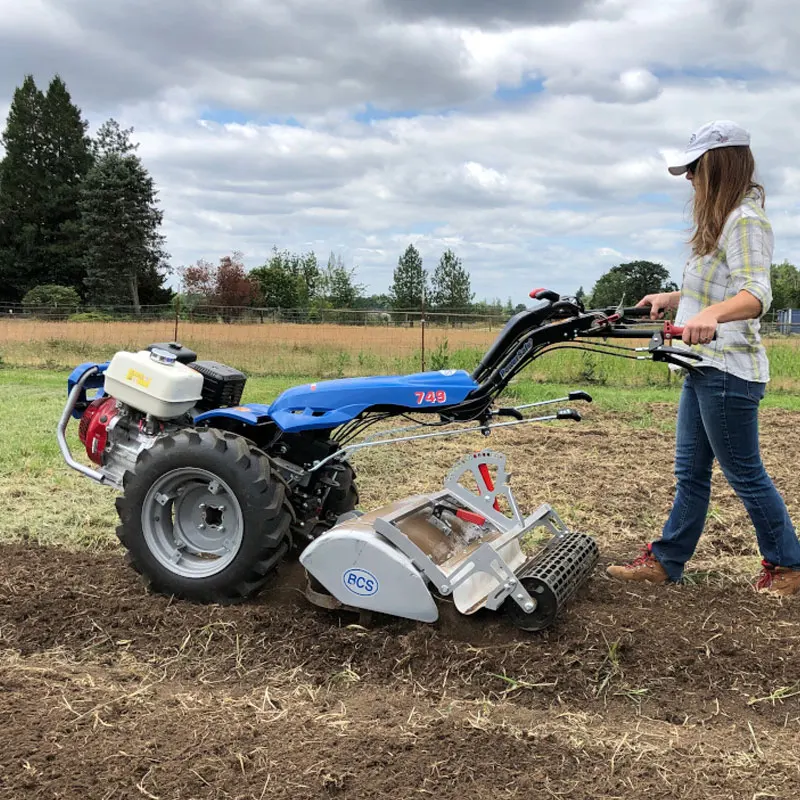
(52, 301)
(91, 316)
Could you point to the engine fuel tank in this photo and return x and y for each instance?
(153, 382)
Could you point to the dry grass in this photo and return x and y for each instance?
(330, 351)
(269, 349)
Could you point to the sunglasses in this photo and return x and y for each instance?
(693, 166)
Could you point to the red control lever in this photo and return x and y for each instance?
(487, 479)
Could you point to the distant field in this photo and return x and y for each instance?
(329, 351)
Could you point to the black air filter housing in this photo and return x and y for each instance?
(222, 385)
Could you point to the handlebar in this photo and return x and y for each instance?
(612, 318)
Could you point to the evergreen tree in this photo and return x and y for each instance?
(47, 157)
(451, 284)
(410, 280)
(120, 223)
(23, 185)
(67, 159)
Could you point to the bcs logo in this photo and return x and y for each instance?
(360, 582)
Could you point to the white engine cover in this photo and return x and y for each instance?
(164, 388)
(361, 569)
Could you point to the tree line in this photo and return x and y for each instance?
(80, 226)
(79, 216)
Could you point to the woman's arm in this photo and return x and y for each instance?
(749, 256)
(700, 328)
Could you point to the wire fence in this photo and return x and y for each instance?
(266, 341)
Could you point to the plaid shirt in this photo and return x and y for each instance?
(742, 260)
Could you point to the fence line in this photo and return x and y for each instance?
(294, 342)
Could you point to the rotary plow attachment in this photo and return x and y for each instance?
(468, 542)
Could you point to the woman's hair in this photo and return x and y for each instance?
(722, 178)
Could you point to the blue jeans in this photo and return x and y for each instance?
(718, 418)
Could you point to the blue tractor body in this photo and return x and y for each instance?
(328, 404)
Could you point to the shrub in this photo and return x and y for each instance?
(52, 301)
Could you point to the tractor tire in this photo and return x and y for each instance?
(204, 517)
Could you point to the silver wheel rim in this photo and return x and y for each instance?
(192, 522)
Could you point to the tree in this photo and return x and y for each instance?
(22, 189)
(47, 156)
(63, 300)
(337, 288)
(278, 287)
(580, 295)
(410, 280)
(374, 302)
(288, 280)
(198, 281)
(630, 283)
(450, 290)
(226, 284)
(785, 279)
(67, 160)
(233, 287)
(120, 222)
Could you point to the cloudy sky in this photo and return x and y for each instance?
(529, 136)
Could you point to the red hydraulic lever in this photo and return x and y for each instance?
(487, 479)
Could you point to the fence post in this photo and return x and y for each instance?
(422, 329)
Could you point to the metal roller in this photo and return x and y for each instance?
(552, 577)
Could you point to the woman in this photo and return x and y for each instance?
(725, 291)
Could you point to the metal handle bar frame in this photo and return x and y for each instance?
(62, 427)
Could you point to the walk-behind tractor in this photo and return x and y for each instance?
(214, 494)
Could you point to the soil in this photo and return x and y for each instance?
(692, 691)
(109, 692)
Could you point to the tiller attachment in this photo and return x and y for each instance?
(468, 541)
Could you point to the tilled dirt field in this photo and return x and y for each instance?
(679, 692)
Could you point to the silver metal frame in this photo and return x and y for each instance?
(345, 451)
(62, 427)
(486, 557)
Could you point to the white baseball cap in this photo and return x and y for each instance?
(720, 133)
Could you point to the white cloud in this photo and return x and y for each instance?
(550, 188)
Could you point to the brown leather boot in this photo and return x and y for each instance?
(643, 568)
(780, 581)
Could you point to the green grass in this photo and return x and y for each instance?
(42, 500)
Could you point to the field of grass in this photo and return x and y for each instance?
(31, 469)
(330, 351)
(688, 692)
(110, 692)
